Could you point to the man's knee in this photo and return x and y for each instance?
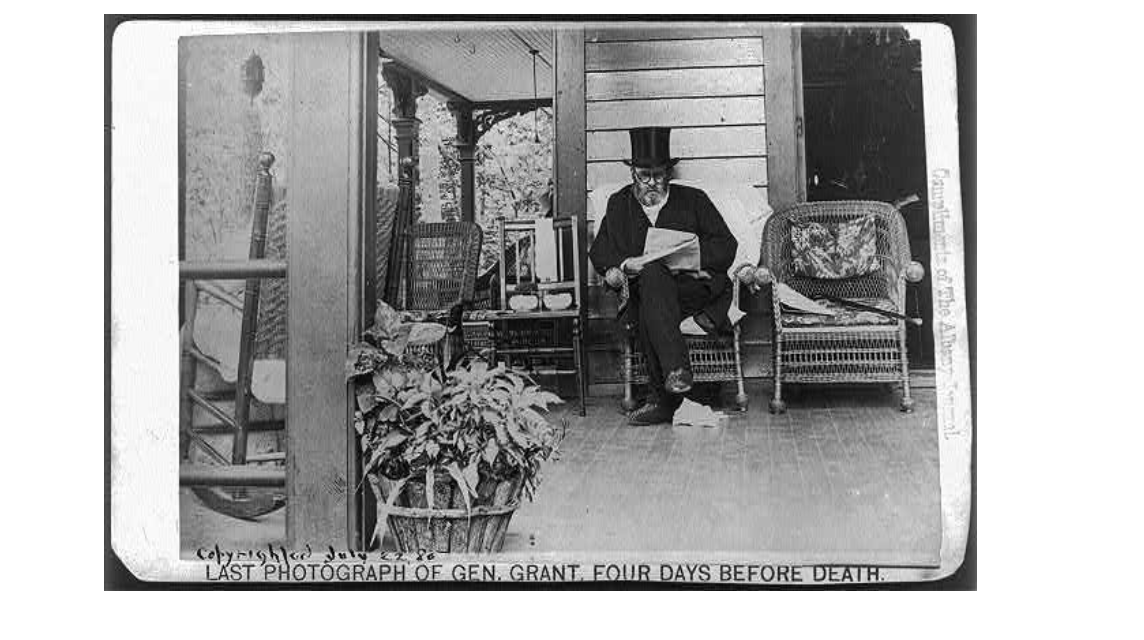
(656, 276)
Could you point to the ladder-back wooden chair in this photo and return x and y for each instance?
(213, 316)
(853, 258)
(539, 266)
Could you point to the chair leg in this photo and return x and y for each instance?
(629, 402)
(188, 368)
(187, 371)
(581, 380)
(741, 395)
(907, 403)
(777, 405)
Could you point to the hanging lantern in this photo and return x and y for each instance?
(253, 74)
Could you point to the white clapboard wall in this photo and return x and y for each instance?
(707, 84)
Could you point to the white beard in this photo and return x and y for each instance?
(650, 196)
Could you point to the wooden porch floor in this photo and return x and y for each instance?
(842, 477)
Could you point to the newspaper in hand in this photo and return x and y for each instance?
(679, 250)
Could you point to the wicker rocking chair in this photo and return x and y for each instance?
(244, 339)
(864, 340)
(214, 318)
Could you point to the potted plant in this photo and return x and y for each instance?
(448, 453)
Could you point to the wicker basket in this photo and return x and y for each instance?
(449, 527)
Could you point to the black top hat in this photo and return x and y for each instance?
(651, 147)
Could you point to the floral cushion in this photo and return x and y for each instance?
(843, 316)
(836, 250)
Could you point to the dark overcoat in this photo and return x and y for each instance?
(624, 229)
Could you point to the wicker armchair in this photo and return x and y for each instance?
(438, 276)
(438, 268)
(712, 358)
(865, 340)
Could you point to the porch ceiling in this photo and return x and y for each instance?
(475, 63)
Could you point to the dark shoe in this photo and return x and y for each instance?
(710, 327)
(649, 414)
(678, 381)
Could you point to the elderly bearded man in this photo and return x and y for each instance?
(664, 304)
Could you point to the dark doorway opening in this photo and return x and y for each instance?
(865, 138)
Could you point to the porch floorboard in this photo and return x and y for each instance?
(843, 476)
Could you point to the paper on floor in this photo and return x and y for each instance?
(689, 327)
(695, 414)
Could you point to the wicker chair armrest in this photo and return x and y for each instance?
(744, 273)
(608, 279)
(753, 277)
(624, 291)
(914, 272)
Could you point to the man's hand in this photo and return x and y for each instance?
(632, 267)
(614, 278)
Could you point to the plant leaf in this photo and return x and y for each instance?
(472, 475)
(540, 398)
(396, 378)
(422, 333)
(413, 399)
(392, 439)
(502, 434)
(388, 413)
(365, 398)
(386, 320)
(361, 360)
(375, 458)
(531, 416)
(462, 483)
(490, 452)
(381, 384)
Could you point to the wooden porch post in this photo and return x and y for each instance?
(782, 68)
(570, 166)
(332, 187)
(406, 127)
(466, 144)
